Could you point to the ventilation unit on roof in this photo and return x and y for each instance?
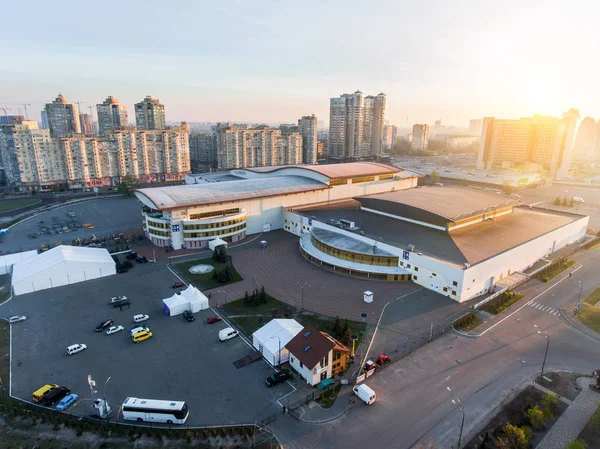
(411, 247)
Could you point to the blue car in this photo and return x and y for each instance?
(67, 401)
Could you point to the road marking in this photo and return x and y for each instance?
(557, 312)
(530, 301)
(285, 396)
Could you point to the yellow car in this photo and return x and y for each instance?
(141, 336)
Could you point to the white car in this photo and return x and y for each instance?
(114, 329)
(17, 318)
(135, 330)
(140, 318)
(117, 299)
(74, 349)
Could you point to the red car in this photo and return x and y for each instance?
(178, 284)
(213, 319)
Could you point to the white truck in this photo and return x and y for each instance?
(365, 394)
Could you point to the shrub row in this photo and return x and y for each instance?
(501, 303)
(465, 322)
(595, 241)
(553, 269)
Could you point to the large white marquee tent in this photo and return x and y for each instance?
(59, 266)
(189, 299)
(7, 262)
(271, 339)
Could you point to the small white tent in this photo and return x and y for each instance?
(271, 339)
(175, 305)
(189, 299)
(59, 266)
(216, 242)
(195, 298)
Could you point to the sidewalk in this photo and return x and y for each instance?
(574, 419)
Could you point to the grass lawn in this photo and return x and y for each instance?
(327, 399)
(239, 307)
(4, 349)
(553, 270)
(4, 287)
(468, 323)
(204, 281)
(8, 205)
(588, 314)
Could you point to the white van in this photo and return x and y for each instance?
(365, 394)
(227, 334)
(74, 349)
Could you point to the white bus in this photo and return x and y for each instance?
(153, 410)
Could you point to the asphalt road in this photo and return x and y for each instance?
(413, 402)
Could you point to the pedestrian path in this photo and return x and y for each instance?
(545, 308)
(574, 419)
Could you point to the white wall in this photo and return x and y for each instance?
(309, 375)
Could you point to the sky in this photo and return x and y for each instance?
(275, 61)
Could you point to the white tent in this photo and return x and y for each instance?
(216, 242)
(59, 266)
(196, 299)
(189, 299)
(271, 339)
(7, 262)
(175, 305)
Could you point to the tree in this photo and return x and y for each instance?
(246, 298)
(556, 201)
(576, 444)
(123, 189)
(434, 177)
(513, 437)
(262, 295)
(55, 188)
(536, 417)
(336, 330)
(564, 201)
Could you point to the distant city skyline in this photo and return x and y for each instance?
(249, 62)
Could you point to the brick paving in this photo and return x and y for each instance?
(283, 271)
(574, 419)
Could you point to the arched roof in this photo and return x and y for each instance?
(336, 171)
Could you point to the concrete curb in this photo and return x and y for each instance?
(328, 420)
(577, 324)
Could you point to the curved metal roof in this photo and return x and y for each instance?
(172, 197)
(334, 171)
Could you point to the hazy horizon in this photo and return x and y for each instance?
(269, 61)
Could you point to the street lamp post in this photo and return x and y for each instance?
(302, 296)
(547, 337)
(106, 407)
(457, 402)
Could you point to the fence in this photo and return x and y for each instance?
(292, 409)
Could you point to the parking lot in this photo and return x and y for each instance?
(107, 216)
(183, 361)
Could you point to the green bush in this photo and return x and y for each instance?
(535, 416)
(514, 437)
(576, 444)
(592, 243)
(501, 303)
(550, 405)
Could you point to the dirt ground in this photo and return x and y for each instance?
(564, 384)
(514, 412)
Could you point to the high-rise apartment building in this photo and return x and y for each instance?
(475, 125)
(586, 148)
(420, 137)
(203, 150)
(44, 117)
(257, 147)
(150, 114)
(87, 124)
(390, 134)
(112, 115)
(307, 127)
(356, 125)
(11, 119)
(33, 159)
(63, 117)
(547, 141)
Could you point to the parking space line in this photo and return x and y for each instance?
(285, 396)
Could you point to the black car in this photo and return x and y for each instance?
(121, 303)
(128, 264)
(277, 378)
(122, 269)
(104, 325)
(55, 395)
(132, 255)
(141, 259)
(188, 315)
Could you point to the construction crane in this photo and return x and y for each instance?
(24, 107)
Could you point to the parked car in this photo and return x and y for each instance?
(141, 336)
(188, 315)
(277, 378)
(122, 269)
(122, 303)
(74, 349)
(67, 401)
(128, 264)
(132, 255)
(55, 395)
(117, 299)
(178, 284)
(137, 329)
(103, 325)
(141, 259)
(213, 319)
(227, 334)
(139, 318)
(114, 330)
(17, 318)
